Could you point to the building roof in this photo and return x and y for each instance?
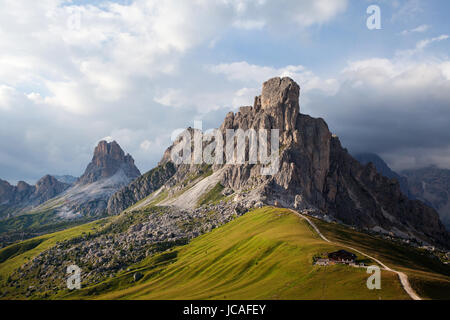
(341, 255)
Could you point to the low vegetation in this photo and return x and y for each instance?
(265, 254)
(28, 249)
(213, 196)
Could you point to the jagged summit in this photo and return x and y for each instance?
(108, 159)
(315, 174)
(110, 170)
(14, 199)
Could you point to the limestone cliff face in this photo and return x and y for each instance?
(317, 173)
(304, 146)
(48, 187)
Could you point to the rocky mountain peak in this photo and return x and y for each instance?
(276, 108)
(47, 182)
(108, 159)
(46, 188)
(22, 186)
(317, 173)
(105, 149)
(278, 92)
(18, 198)
(5, 191)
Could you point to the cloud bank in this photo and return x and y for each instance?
(72, 73)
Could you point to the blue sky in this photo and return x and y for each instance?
(75, 72)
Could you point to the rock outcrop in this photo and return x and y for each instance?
(108, 159)
(317, 173)
(47, 188)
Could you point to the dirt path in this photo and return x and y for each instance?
(403, 277)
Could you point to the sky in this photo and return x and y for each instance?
(75, 72)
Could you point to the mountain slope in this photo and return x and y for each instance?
(140, 188)
(383, 168)
(16, 199)
(86, 200)
(267, 254)
(109, 171)
(314, 173)
(432, 185)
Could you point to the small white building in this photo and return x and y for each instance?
(323, 262)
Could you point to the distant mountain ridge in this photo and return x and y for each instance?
(109, 170)
(431, 185)
(17, 198)
(66, 178)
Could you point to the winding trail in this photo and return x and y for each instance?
(402, 276)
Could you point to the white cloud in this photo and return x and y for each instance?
(107, 139)
(420, 29)
(145, 145)
(171, 98)
(243, 96)
(248, 73)
(6, 97)
(396, 107)
(425, 43)
(83, 56)
(421, 46)
(258, 14)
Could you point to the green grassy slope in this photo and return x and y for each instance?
(265, 254)
(13, 256)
